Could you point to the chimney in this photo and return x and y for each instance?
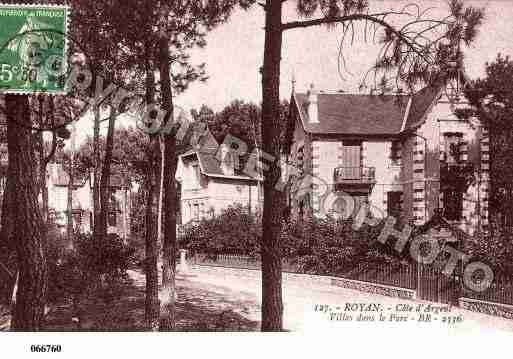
(312, 109)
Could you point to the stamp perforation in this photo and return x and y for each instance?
(66, 54)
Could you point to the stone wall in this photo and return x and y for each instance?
(256, 273)
(375, 288)
(491, 308)
(368, 287)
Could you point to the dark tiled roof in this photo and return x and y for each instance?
(420, 104)
(195, 133)
(211, 166)
(354, 114)
(209, 163)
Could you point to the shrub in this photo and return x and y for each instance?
(495, 249)
(72, 271)
(321, 246)
(235, 231)
(332, 246)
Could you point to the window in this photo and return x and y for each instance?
(394, 204)
(112, 219)
(351, 160)
(396, 153)
(196, 212)
(300, 160)
(77, 220)
(452, 143)
(453, 204)
(114, 209)
(451, 190)
(197, 174)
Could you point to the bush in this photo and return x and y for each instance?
(495, 249)
(72, 271)
(235, 231)
(109, 256)
(320, 246)
(332, 247)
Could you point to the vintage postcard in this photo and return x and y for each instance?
(340, 169)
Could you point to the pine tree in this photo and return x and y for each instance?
(411, 55)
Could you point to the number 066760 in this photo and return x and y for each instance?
(45, 348)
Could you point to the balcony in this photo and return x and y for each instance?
(358, 179)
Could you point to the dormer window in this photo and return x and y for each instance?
(227, 161)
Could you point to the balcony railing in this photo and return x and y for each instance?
(355, 175)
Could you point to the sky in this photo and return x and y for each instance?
(234, 54)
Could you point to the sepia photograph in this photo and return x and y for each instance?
(294, 166)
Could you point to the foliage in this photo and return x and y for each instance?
(71, 272)
(332, 246)
(494, 248)
(234, 231)
(321, 246)
(491, 100)
(240, 119)
(128, 153)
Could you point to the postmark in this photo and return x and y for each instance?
(33, 48)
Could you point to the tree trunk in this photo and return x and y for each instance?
(151, 266)
(41, 157)
(105, 177)
(44, 195)
(160, 192)
(96, 170)
(274, 201)
(151, 215)
(8, 263)
(44, 160)
(29, 237)
(168, 295)
(69, 202)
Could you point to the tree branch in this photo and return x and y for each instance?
(374, 18)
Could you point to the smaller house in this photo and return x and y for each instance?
(210, 179)
(82, 200)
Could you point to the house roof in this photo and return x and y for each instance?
(420, 104)
(210, 166)
(198, 135)
(354, 114)
(205, 151)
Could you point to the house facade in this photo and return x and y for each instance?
(404, 156)
(210, 179)
(82, 201)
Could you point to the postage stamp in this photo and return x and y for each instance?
(33, 48)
